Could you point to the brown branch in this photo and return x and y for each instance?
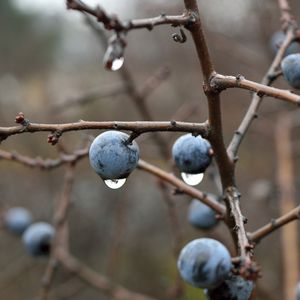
(257, 99)
(137, 126)
(44, 164)
(113, 23)
(221, 82)
(61, 230)
(182, 187)
(275, 224)
(96, 280)
(286, 13)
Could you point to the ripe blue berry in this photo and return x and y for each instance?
(17, 219)
(192, 154)
(201, 216)
(112, 157)
(290, 66)
(37, 238)
(276, 41)
(204, 263)
(232, 288)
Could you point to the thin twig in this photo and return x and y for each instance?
(61, 230)
(252, 111)
(137, 126)
(96, 280)
(221, 82)
(44, 164)
(182, 187)
(113, 23)
(275, 224)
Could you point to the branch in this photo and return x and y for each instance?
(96, 280)
(113, 23)
(257, 99)
(182, 187)
(235, 219)
(61, 230)
(44, 164)
(286, 13)
(275, 224)
(221, 82)
(137, 126)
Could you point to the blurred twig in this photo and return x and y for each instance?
(96, 280)
(61, 230)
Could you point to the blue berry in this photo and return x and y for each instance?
(192, 154)
(276, 41)
(201, 216)
(112, 157)
(204, 263)
(232, 288)
(17, 219)
(38, 238)
(290, 66)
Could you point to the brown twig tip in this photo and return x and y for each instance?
(53, 138)
(20, 118)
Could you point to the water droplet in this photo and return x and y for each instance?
(117, 64)
(115, 183)
(192, 179)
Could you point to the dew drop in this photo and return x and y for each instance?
(115, 183)
(117, 64)
(192, 179)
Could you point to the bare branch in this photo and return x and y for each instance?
(275, 224)
(257, 99)
(44, 164)
(138, 126)
(182, 187)
(96, 280)
(221, 82)
(113, 23)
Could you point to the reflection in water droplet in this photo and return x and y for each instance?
(115, 183)
(117, 64)
(192, 179)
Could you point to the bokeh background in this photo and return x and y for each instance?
(48, 56)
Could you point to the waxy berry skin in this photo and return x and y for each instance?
(201, 216)
(38, 238)
(204, 263)
(112, 157)
(192, 154)
(17, 219)
(232, 288)
(290, 66)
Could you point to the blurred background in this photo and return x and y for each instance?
(50, 57)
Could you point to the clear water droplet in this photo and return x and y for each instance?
(117, 64)
(115, 183)
(192, 179)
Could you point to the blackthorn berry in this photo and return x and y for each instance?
(204, 263)
(232, 288)
(38, 238)
(201, 216)
(17, 219)
(192, 154)
(290, 66)
(276, 41)
(112, 157)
